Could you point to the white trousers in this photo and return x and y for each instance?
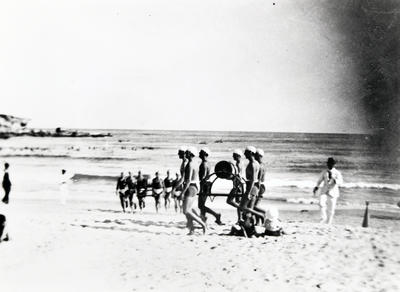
(327, 205)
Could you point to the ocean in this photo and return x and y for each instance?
(294, 162)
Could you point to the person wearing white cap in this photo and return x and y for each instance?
(233, 198)
(252, 171)
(261, 186)
(204, 171)
(190, 189)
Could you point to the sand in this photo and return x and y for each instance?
(93, 246)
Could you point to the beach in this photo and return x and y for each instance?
(93, 246)
(90, 245)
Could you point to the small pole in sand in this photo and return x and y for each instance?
(365, 221)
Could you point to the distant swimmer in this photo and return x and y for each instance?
(204, 171)
(157, 187)
(167, 190)
(330, 179)
(141, 190)
(190, 189)
(177, 194)
(121, 188)
(130, 183)
(261, 185)
(6, 184)
(236, 192)
(252, 190)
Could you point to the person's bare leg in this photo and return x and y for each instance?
(244, 202)
(193, 214)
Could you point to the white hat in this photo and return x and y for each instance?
(272, 213)
(182, 148)
(251, 149)
(260, 152)
(192, 150)
(238, 152)
(205, 150)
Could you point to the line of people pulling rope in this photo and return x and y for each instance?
(248, 188)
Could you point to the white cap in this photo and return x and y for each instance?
(251, 149)
(182, 148)
(272, 213)
(238, 152)
(260, 152)
(205, 150)
(192, 150)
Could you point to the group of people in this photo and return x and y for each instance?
(132, 191)
(247, 191)
(248, 186)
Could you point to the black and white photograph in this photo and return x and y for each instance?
(199, 145)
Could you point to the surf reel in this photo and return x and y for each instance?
(227, 171)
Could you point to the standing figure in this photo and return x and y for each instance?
(204, 171)
(167, 190)
(178, 183)
(177, 194)
(157, 187)
(6, 184)
(141, 189)
(64, 182)
(330, 179)
(251, 193)
(191, 188)
(120, 190)
(261, 185)
(130, 183)
(235, 194)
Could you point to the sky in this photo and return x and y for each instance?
(178, 64)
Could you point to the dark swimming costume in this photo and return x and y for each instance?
(168, 182)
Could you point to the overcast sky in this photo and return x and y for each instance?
(176, 64)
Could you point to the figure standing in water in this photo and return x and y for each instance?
(330, 179)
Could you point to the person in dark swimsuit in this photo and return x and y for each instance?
(121, 189)
(6, 184)
(204, 171)
(234, 196)
(141, 190)
(252, 172)
(177, 194)
(157, 187)
(167, 191)
(261, 185)
(131, 190)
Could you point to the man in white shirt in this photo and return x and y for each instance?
(330, 179)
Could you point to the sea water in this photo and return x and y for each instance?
(293, 162)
